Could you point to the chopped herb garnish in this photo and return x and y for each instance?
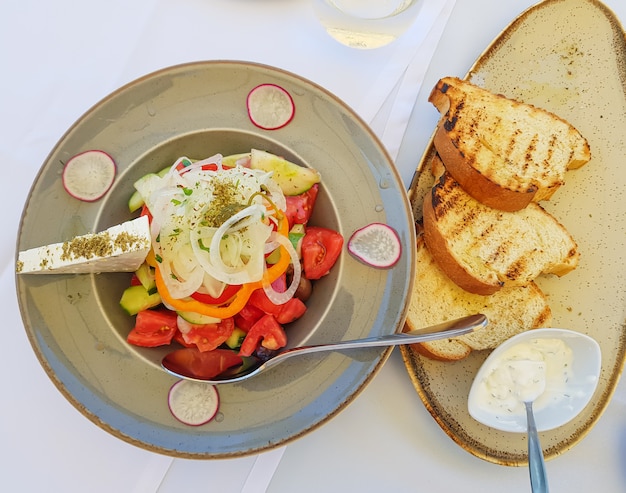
(202, 247)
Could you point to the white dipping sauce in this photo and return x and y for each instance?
(538, 369)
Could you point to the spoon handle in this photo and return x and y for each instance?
(452, 328)
(536, 464)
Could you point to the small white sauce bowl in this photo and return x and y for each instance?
(578, 390)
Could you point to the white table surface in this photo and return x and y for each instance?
(60, 57)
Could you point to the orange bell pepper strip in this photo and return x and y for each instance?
(195, 306)
(242, 296)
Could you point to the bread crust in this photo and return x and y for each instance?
(425, 350)
(473, 182)
(524, 138)
(482, 249)
(435, 298)
(438, 248)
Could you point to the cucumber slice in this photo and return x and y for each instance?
(292, 179)
(145, 185)
(231, 161)
(197, 318)
(164, 171)
(296, 234)
(145, 274)
(137, 298)
(236, 338)
(135, 202)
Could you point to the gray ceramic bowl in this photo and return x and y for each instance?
(77, 328)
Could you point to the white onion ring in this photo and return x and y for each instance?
(177, 208)
(282, 298)
(214, 250)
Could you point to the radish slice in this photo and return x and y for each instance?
(193, 403)
(89, 175)
(270, 106)
(376, 244)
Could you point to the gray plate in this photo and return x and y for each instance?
(75, 324)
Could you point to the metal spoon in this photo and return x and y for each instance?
(188, 363)
(528, 377)
(536, 462)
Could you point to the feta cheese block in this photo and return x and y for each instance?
(121, 248)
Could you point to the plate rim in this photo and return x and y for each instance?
(377, 362)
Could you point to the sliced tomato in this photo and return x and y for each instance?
(229, 291)
(248, 315)
(182, 164)
(266, 332)
(300, 207)
(210, 336)
(259, 300)
(321, 248)
(290, 311)
(178, 337)
(285, 313)
(134, 281)
(146, 212)
(199, 364)
(153, 328)
(212, 167)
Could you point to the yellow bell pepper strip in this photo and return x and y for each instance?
(242, 296)
(151, 259)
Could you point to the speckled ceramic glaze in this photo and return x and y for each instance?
(567, 56)
(77, 328)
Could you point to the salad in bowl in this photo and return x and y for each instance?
(232, 257)
(187, 286)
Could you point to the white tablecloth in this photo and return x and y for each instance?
(60, 57)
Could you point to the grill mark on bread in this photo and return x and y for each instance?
(573, 253)
(497, 253)
(572, 153)
(488, 230)
(450, 123)
(443, 199)
(531, 150)
(516, 269)
(553, 141)
(488, 257)
(543, 318)
(505, 153)
(453, 117)
(510, 311)
(497, 247)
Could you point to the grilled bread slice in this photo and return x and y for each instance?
(509, 311)
(503, 152)
(482, 249)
